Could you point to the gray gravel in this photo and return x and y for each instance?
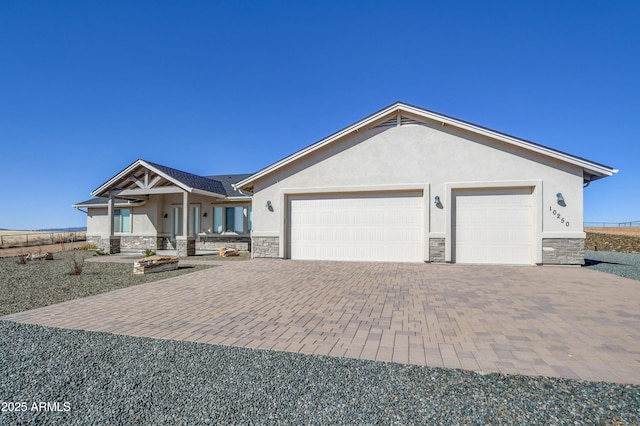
(112, 379)
(45, 282)
(623, 264)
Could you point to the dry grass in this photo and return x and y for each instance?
(615, 230)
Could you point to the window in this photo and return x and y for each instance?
(195, 220)
(217, 220)
(122, 220)
(249, 219)
(231, 219)
(177, 221)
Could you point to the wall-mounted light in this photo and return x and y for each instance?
(436, 200)
(204, 214)
(560, 199)
(166, 215)
(268, 205)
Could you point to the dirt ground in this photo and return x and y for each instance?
(51, 248)
(615, 230)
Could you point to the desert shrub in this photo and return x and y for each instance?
(76, 268)
(89, 246)
(22, 259)
(149, 252)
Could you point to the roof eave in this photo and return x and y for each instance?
(598, 169)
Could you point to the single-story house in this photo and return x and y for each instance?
(404, 184)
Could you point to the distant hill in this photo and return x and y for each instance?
(75, 229)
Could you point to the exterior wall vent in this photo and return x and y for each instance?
(397, 121)
(407, 120)
(392, 122)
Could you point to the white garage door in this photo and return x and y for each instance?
(493, 226)
(366, 226)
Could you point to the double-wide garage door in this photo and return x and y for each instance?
(380, 226)
(493, 226)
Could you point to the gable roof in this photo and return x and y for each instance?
(164, 176)
(220, 186)
(592, 170)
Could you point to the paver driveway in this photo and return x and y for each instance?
(552, 321)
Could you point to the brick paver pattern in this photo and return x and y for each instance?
(549, 321)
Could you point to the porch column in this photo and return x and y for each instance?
(110, 243)
(185, 213)
(185, 244)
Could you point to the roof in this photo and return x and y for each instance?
(160, 176)
(592, 170)
(104, 201)
(191, 180)
(228, 181)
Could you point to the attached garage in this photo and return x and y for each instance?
(479, 196)
(493, 226)
(369, 226)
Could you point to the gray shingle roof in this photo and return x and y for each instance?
(227, 181)
(219, 184)
(103, 201)
(191, 180)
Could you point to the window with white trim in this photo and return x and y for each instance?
(122, 220)
(232, 220)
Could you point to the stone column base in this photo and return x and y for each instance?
(109, 244)
(185, 246)
(562, 251)
(436, 250)
(265, 246)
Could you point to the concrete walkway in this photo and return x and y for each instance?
(550, 321)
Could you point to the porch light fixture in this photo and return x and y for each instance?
(204, 214)
(166, 215)
(268, 205)
(436, 200)
(560, 199)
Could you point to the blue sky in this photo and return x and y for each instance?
(86, 88)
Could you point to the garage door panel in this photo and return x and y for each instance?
(377, 227)
(493, 226)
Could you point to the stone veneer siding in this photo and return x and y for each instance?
(217, 242)
(265, 246)
(562, 251)
(185, 246)
(436, 250)
(130, 242)
(109, 245)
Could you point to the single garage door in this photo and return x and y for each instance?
(493, 226)
(379, 226)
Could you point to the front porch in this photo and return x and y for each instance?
(152, 207)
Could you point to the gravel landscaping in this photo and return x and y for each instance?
(623, 264)
(55, 376)
(45, 282)
(99, 378)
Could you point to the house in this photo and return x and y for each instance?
(151, 206)
(404, 184)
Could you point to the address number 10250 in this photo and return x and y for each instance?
(558, 216)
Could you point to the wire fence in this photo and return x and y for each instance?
(41, 238)
(611, 224)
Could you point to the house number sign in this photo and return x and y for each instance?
(558, 216)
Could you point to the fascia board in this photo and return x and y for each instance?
(123, 174)
(116, 178)
(167, 177)
(211, 194)
(401, 107)
(311, 148)
(511, 140)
